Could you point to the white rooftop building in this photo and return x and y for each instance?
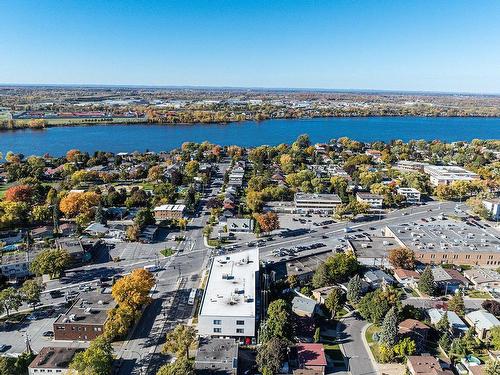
(446, 174)
(228, 307)
(412, 195)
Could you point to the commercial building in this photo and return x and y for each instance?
(446, 174)
(316, 202)
(52, 360)
(216, 356)
(169, 211)
(373, 200)
(409, 166)
(412, 195)
(228, 307)
(446, 241)
(85, 319)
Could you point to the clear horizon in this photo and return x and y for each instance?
(414, 46)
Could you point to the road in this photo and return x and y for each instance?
(350, 335)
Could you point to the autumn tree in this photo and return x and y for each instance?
(97, 359)
(120, 319)
(268, 222)
(402, 258)
(19, 193)
(77, 203)
(179, 340)
(181, 366)
(133, 290)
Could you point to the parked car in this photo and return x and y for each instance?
(48, 334)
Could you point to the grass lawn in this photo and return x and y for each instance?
(342, 313)
(478, 294)
(370, 331)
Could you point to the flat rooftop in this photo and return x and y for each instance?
(373, 247)
(451, 171)
(216, 355)
(54, 358)
(231, 285)
(89, 308)
(447, 236)
(170, 207)
(316, 197)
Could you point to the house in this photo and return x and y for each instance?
(425, 365)
(11, 237)
(406, 277)
(75, 249)
(412, 196)
(482, 322)
(377, 277)
(311, 357)
(42, 233)
(320, 294)
(67, 229)
(483, 278)
(416, 330)
(148, 233)
(52, 360)
(96, 230)
(169, 211)
(216, 356)
(449, 279)
(304, 306)
(241, 225)
(457, 326)
(85, 319)
(375, 201)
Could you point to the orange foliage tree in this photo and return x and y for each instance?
(402, 258)
(133, 290)
(19, 193)
(76, 203)
(268, 222)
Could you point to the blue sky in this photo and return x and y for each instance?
(426, 45)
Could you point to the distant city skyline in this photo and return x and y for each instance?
(411, 46)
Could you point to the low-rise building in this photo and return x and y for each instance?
(449, 280)
(311, 357)
(483, 278)
(228, 307)
(373, 200)
(378, 277)
(416, 330)
(482, 321)
(85, 319)
(305, 202)
(52, 360)
(425, 365)
(446, 174)
(320, 294)
(169, 211)
(302, 306)
(216, 356)
(409, 166)
(406, 277)
(241, 225)
(16, 264)
(412, 196)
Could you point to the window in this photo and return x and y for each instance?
(217, 322)
(240, 330)
(240, 322)
(217, 330)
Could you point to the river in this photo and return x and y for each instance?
(141, 137)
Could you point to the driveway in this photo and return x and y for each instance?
(350, 335)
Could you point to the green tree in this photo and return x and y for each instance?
(336, 268)
(317, 334)
(405, 347)
(97, 359)
(445, 342)
(144, 217)
(31, 291)
(179, 340)
(389, 334)
(333, 302)
(492, 367)
(181, 366)
(354, 290)
(271, 355)
(51, 261)
(495, 337)
(10, 299)
(444, 324)
(456, 304)
(277, 323)
(426, 283)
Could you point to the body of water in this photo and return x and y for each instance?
(127, 138)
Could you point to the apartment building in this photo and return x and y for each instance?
(412, 195)
(316, 202)
(446, 174)
(169, 211)
(375, 201)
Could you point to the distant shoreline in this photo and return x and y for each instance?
(55, 123)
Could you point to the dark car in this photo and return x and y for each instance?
(48, 334)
